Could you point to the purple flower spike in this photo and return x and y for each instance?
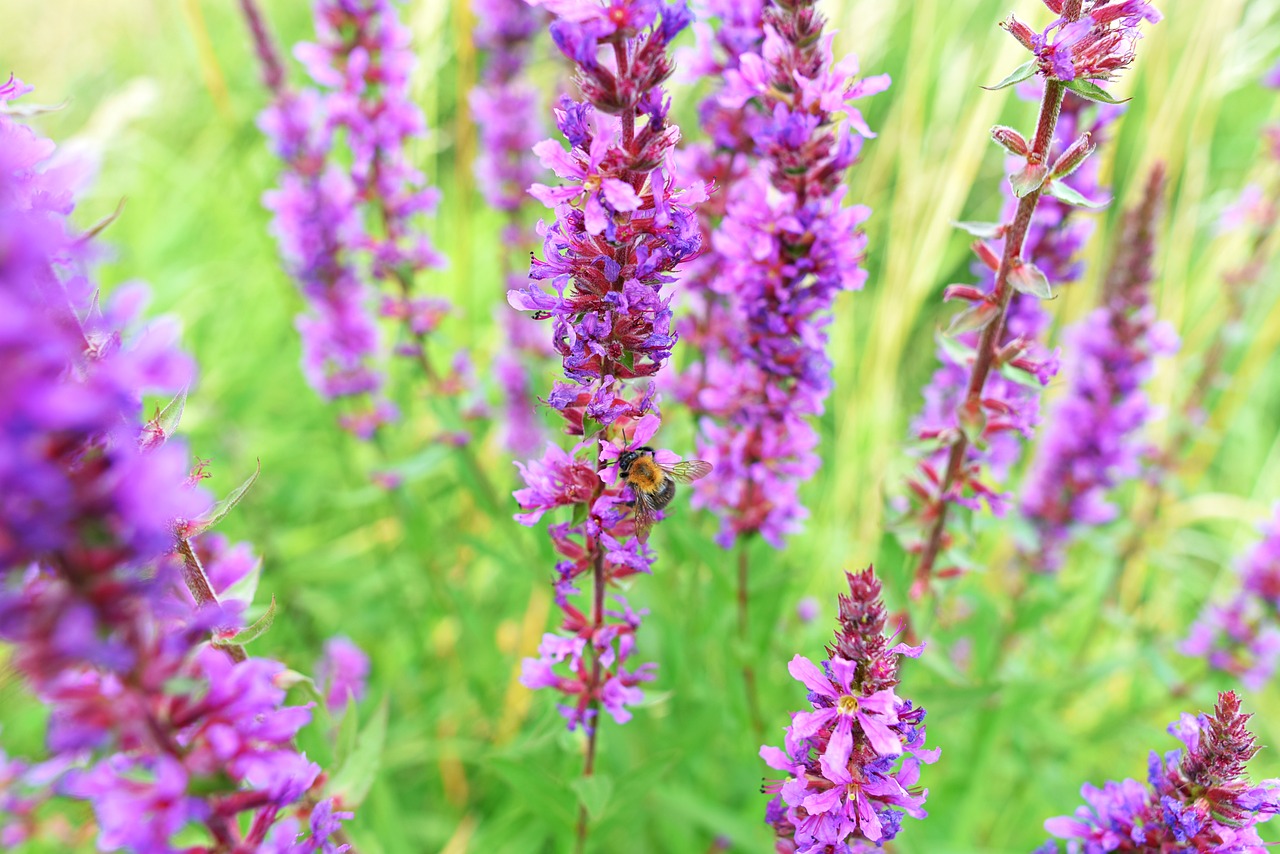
(1242, 636)
(784, 243)
(623, 224)
(346, 214)
(157, 719)
(1092, 47)
(1196, 799)
(1092, 444)
(842, 789)
(341, 673)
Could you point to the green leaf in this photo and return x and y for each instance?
(1092, 91)
(593, 793)
(246, 588)
(169, 417)
(1021, 377)
(1064, 193)
(344, 743)
(259, 627)
(1026, 181)
(223, 507)
(958, 352)
(973, 318)
(1022, 72)
(1028, 279)
(982, 230)
(354, 779)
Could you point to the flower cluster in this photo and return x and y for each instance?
(623, 223)
(783, 245)
(985, 400)
(156, 727)
(505, 108)
(1093, 441)
(347, 208)
(1242, 636)
(1093, 46)
(1197, 798)
(842, 787)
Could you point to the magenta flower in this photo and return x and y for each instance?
(783, 245)
(1196, 799)
(1092, 47)
(841, 786)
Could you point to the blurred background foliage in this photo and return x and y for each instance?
(446, 593)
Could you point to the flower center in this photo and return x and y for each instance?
(847, 705)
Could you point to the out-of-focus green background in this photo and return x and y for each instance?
(447, 593)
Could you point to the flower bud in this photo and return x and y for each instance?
(1071, 159)
(1011, 140)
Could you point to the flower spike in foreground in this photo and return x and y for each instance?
(842, 787)
(1196, 799)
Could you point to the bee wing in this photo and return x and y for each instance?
(687, 471)
(643, 513)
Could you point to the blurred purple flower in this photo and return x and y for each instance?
(1093, 442)
(341, 673)
(783, 245)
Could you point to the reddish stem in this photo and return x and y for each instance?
(1015, 239)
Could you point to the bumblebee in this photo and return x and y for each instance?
(654, 484)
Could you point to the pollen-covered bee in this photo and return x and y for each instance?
(653, 483)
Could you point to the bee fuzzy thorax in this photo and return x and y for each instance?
(645, 474)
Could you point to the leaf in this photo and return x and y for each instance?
(344, 743)
(982, 230)
(169, 417)
(1027, 279)
(957, 351)
(1026, 181)
(973, 318)
(1022, 72)
(101, 225)
(1021, 377)
(593, 793)
(1092, 91)
(1064, 193)
(258, 629)
(223, 507)
(246, 588)
(353, 780)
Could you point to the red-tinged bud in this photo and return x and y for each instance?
(918, 489)
(1055, 6)
(964, 292)
(999, 407)
(1071, 159)
(1020, 31)
(950, 572)
(1010, 351)
(1011, 140)
(973, 318)
(986, 254)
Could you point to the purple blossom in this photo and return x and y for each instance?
(623, 224)
(154, 726)
(1093, 47)
(783, 245)
(1197, 798)
(1242, 635)
(841, 786)
(341, 673)
(347, 218)
(1093, 442)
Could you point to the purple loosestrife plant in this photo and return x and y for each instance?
(1242, 636)
(157, 716)
(784, 135)
(348, 211)
(623, 223)
(1090, 41)
(506, 111)
(853, 760)
(1197, 798)
(1093, 442)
